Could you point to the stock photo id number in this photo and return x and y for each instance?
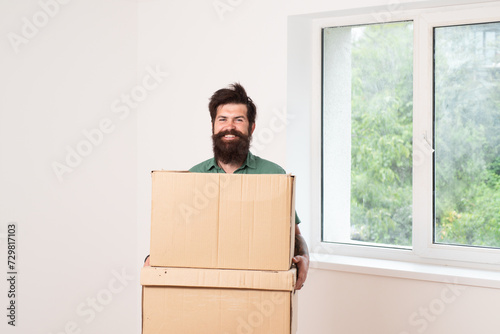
(11, 273)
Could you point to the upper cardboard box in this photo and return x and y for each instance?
(224, 221)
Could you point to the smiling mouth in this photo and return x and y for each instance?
(229, 136)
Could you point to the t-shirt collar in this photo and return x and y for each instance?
(249, 162)
(212, 164)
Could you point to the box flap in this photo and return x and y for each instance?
(219, 278)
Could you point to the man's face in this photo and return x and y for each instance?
(232, 116)
(231, 133)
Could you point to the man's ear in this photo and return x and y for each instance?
(253, 128)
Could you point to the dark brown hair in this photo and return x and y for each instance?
(235, 93)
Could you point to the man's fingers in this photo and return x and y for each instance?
(299, 284)
(302, 267)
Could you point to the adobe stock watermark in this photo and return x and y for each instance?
(277, 124)
(89, 309)
(222, 7)
(30, 27)
(257, 317)
(121, 107)
(202, 198)
(423, 151)
(385, 14)
(421, 319)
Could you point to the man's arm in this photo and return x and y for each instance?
(301, 258)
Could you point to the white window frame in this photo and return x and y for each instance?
(423, 249)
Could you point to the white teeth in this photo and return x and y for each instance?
(229, 136)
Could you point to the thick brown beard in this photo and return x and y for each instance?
(234, 152)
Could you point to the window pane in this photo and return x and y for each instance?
(467, 135)
(367, 134)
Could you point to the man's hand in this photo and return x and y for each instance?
(301, 258)
(146, 262)
(302, 263)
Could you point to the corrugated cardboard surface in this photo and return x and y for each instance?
(217, 310)
(219, 278)
(230, 221)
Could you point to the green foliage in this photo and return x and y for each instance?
(478, 222)
(467, 135)
(381, 149)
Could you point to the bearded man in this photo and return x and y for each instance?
(233, 116)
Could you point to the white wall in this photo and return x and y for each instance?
(78, 233)
(74, 234)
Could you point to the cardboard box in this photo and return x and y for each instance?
(225, 221)
(217, 301)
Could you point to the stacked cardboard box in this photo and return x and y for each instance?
(221, 249)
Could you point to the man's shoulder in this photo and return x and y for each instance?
(264, 166)
(202, 167)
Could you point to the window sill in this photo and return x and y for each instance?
(407, 270)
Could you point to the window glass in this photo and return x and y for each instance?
(367, 134)
(467, 134)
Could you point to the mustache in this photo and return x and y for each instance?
(233, 132)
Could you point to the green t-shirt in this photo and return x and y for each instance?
(252, 165)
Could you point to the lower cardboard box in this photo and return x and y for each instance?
(218, 301)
